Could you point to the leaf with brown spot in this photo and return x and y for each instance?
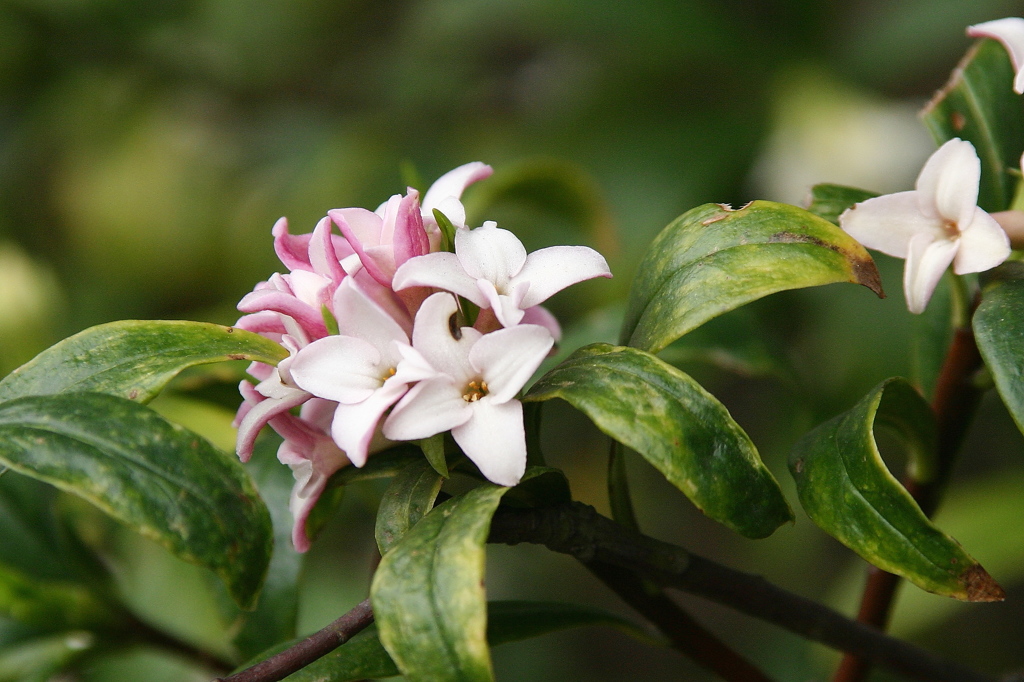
(711, 260)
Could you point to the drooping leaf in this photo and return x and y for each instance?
(713, 259)
(133, 359)
(40, 660)
(847, 490)
(409, 497)
(428, 595)
(364, 657)
(434, 450)
(978, 104)
(156, 477)
(829, 201)
(677, 426)
(999, 330)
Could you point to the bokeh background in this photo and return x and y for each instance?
(147, 147)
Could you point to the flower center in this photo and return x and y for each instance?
(388, 373)
(951, 229)
(475, 390)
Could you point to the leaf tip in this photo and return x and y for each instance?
(866, 272)
(980, 586)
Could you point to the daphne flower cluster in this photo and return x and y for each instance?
(379, 347)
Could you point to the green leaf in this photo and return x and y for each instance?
(409, 497)
(829, 201)
(847, 490)
(713, 259)
(40, 660)
(428, 594)
(133, 359)
(999, 329)
(978, 104)
(433, 450)
(156, 477)
(677, 426)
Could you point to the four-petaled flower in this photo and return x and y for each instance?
(469, 387)
(491, 268)
(936, 224)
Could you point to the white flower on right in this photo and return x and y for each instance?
(1010, 32)
(937, 224)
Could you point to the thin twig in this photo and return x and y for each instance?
(578, 530)
(685, 633)
(955, 403)
(317, 645)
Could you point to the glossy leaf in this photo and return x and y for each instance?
(999, 330)
(133, 359)
(847, 490)
(409, 497)
(713, 259)
(978, 104)
(829, 201)
(428, 595)
(677, 426)
(364, 657)
(156, 477)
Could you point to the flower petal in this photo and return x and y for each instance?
(258, 416)
(552, 269)
(293, 250)
(454, 183)
(948, 184)
(983, 245)
(409, 238)
(340, 368)
(363, 229)
(361, 317)
(323, 252)
(927, 260)
(439, 270)
(1010, 32)
(354, 425)
(495, 440)
(490, 253)
(507, 309)
(507, 358)
(888, 222)
(432, 337)
(430, 407)
(538, 314)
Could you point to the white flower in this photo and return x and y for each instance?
(472, 388)
(1010, 32)
(491, 268)
(937, 224)
(357, 369)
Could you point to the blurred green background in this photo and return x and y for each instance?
(147, 147)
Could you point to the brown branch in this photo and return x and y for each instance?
(578, 530)
(317, 645)
(955, 403)
(685, 633)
